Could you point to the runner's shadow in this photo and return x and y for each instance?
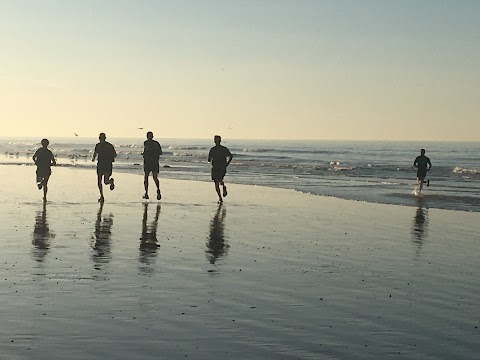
(420, 226)
(216, 246)
(102, 239)
(148, 241)
(41, 235)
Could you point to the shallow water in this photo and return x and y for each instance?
(378, 172)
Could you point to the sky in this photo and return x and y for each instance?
(244, 69)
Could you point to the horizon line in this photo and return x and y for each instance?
(224, 139)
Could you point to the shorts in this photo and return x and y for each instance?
(218, 174)
(104, 169)
(151, 167)
(43, 173)
(422, 174)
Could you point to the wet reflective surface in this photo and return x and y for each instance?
(216, 246)
(101, 247)
(41, 235)
(304, 277)
(148, 240)
(420, 227)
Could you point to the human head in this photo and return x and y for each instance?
(422, 151)
(217, 139)
(102, 137)
(45, 142)
(149, 135)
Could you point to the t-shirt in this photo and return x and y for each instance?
(43, 158)
(422, 161)
(151, 151)
(106, 152)
(218, 156)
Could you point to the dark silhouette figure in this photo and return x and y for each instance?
(151, 156)
(220, 157)
(44, 159)
(102, 239)
(423, 165)
(41, 235)
(106, 156)
(420, 227)
(148, 241)
(216, 246)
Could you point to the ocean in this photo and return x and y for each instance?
(370, 171)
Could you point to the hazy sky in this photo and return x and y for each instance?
(264, 69)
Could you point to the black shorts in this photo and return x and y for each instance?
(43, 173)
(151, 167)
(104, 169)
(218, 173)
(422, 174)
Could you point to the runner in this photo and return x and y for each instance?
(151, 155)
(423, 164)
(218, 157)
(44, 159)
(106, 156)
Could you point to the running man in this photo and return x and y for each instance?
(151, 155)
(106, 156)
(44, 159)
(218, 157)
(423, 164)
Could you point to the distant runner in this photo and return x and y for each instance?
(151, 155)
(106, 156)
(423, 164)
(44, 159)
(218, 157)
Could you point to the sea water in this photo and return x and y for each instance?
(372, 171)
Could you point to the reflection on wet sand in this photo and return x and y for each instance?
(41, 235)
(420, 227)
(102, 239)
(216, 246)
(148, 241)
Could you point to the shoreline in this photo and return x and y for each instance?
(418, 200)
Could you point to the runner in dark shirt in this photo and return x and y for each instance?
(220, 157)
(44, 159)
(106, 156)
(423, 164)
(151, 156)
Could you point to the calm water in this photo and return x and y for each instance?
(380, 172)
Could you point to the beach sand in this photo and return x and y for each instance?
(270, 274)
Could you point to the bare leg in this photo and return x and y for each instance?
(145, 184)
(217, 189)
(224, 188)
(108, 180)
(420, 184)
(157, 182)
(45, 187)
(100, 187)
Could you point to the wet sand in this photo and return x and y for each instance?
(271, 274)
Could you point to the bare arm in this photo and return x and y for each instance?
(34, 157)
(230, 157)
(95, 153)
